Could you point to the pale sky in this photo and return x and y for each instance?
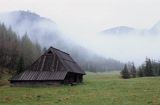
(91, 15)
(82, 19)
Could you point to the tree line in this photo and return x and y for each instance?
(147, 69)
(16, 53)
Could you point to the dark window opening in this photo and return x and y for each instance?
(49, 52)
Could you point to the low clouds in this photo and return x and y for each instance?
(133, 47)
(81, 21)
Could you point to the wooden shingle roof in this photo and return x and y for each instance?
(45, 67)
(68, 62)
(39, 75)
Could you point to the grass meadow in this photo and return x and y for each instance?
(97, 89)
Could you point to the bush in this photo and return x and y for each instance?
(4, 82)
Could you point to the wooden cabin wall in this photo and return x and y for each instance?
(73, 78)
(36, 83)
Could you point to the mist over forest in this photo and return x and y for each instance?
(107, 49)
(45, 32)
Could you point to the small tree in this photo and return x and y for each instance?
(1, 73)
(20, 66)
(148, 68)
(140, 72)
(125, 73)
(159, 69)
(44, 49)
(133, 71)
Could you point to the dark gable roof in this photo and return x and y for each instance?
(67, 61)
(42, 68)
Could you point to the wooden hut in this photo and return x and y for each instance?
(52, 68)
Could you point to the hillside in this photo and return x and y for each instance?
(38, 28)
(45, 32)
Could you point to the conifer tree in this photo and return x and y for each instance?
(148, 68)
(20, 66)
(158, 68)
(133, 71)
(1, 73)
(125, 73)
(140, 72)
(44, 49)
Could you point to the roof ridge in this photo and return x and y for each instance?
(69, 60)
(59, 50)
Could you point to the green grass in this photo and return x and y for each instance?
(97, 89)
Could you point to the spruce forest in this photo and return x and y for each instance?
(16, 53)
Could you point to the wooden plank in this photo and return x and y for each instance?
(39, 63)
(43, 63)
(52, 65)
(57, 65)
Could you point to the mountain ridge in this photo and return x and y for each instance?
(119, 30)
(126, 30)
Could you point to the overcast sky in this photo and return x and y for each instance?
(81, 19)
(91, 15)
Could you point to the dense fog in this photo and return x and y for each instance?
(123, 46)
(44, 31)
